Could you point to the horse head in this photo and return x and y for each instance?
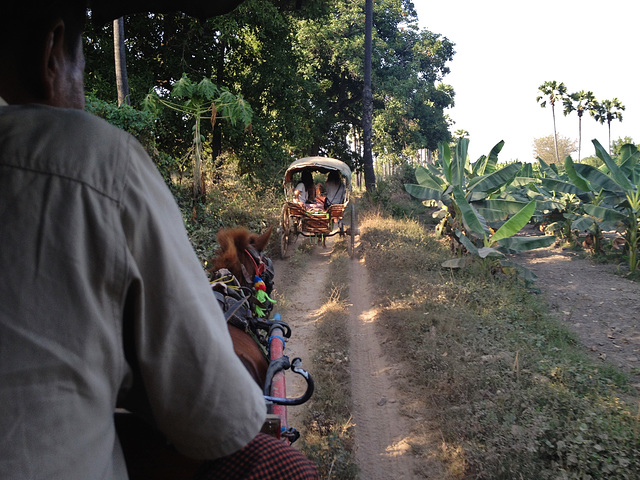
(241, 252)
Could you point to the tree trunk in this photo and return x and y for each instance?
(580, 112)
(119, 52)
(555, 134)
(197, 166)
(216, 141)
(367, 102)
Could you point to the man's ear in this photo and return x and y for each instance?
(52, 61)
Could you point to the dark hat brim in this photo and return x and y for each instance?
(104, 11)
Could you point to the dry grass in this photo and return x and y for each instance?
(506, 388)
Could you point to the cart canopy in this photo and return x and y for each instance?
(318, 164)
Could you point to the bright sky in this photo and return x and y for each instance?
(506, 49)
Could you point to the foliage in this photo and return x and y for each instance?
(607, 111)
(477, 210)
(230, 202)
(544, 148)
(579, 102)
(553, 92)
(299, 65)
(142, 125)
(391, 195)
(510, 388)
(616, 145)
(138, 123)
(201, 101)
(615, 195)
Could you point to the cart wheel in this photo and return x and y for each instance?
(285, 231)
(351, 241)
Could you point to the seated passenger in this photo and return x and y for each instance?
(305, 191)
(335, 188)
(321, 193)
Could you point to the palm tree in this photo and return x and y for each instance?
(608, 110)
(553, 91)
(579, 101)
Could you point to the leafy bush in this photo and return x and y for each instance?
(138, 123)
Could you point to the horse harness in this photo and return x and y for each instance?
(238, 304)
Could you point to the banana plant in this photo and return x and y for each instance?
(615, 194)
(475, 199)
(481, 241)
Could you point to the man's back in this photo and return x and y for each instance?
(101, 303)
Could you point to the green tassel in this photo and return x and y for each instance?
(262, 296)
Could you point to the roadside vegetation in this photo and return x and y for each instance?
(510, 389)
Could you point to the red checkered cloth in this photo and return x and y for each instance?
(264, 458)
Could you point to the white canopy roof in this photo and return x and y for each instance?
(319, 164)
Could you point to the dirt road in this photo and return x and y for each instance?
(380, 430)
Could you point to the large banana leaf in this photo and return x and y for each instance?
(492, 215)
(523, 272)
(510, 207)
(492, 181)
(433, 170)
(471, 219)
(575, 177)
(604, 214)
(459, 163)
(427, 179)
(492, 159)
(473, 197)
(521, 244)
(616, 173)
(466, 242)
(478, 168)
(424, 193)
(445, 157)
(629, 156)
(583, 223)
(487, 164)
(560, 186)
(515, 223)
(521, 181)
(597, 178)
(527, 170)
(546, 169)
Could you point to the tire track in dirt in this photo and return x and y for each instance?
(382, 449)
(303, 294)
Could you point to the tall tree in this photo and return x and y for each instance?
(579, 102)
(367, 101)
(552, 91)
(608, 110)
(120, 57)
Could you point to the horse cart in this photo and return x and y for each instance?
(320, 216)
